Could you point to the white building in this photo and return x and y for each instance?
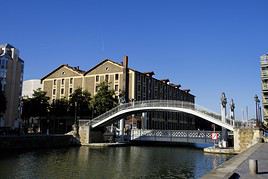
(29, 86)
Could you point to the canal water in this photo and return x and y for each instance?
(109, 163)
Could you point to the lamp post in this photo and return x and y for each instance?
(75, 113)
(257, 101)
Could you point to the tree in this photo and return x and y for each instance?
(82, 99)
(60, 107)
(3, 103)
(26, 110)
(40, 104)
(104, 100)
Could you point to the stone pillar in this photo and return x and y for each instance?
(112, 128)
(144, 120)
(223, 118)
(84, 133)
(122, 129)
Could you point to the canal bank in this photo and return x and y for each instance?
(239, 165)
(36, 141)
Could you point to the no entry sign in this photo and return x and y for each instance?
(215, 136)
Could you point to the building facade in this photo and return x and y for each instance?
(11, 78)
(122, 79)
(29, 86)
(264, 79)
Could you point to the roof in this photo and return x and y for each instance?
(104, 61)
(6, 46)
(76, 69)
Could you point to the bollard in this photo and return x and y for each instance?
(253, 167)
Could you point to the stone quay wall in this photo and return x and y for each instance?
(244, 138)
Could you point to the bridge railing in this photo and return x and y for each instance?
(158, 103)
(175, 136)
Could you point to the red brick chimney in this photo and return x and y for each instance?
(126, 78)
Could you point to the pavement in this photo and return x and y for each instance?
(261, 154)
(238, 166)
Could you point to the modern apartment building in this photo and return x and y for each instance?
(11, 77)
(61, 82)
(29, 86)
(264, 79)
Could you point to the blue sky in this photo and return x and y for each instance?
(209, 46)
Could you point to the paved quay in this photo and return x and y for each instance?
(240, 164)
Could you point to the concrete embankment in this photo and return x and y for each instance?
(238, 166)
(35, 141)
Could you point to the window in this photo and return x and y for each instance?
(71, 91)
(116, 77)
(97, 88)
(107, 68)
(63, 73)
(54, 82)
(54, 91)
(106, 78)
(62, 81)
(116, 87)
(62, 91)
(97, 78)
(71, 81)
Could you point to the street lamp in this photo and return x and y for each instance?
(75, 113)
(257, 101)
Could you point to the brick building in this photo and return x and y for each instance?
(62, 81)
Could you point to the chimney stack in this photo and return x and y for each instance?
(125, 62)
(125, 78)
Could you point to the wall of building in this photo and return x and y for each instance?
(12, 82)
(141, 86)
(29, 86)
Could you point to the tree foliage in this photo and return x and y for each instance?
(104, 100)
(39, 103)
(82, 99)
(60, 107)
(3, 103)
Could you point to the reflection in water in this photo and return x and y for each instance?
(125, 162)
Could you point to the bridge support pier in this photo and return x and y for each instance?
(144, 120)
(122, 129)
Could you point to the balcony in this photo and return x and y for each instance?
(264, 87)
(264, 74)
(264, 61)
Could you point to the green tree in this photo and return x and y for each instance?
(26, 110)
(3, 103)
(104, 100)
(60, 107)
(82, 99)
(40, 106)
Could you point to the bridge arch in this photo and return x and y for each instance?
(160, 105)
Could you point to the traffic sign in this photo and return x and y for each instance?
(215, 136)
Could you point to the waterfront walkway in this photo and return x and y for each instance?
(240, 164)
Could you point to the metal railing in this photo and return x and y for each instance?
(192, 136)
(159, 103)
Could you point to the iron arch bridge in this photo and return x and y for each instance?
(123, 110)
